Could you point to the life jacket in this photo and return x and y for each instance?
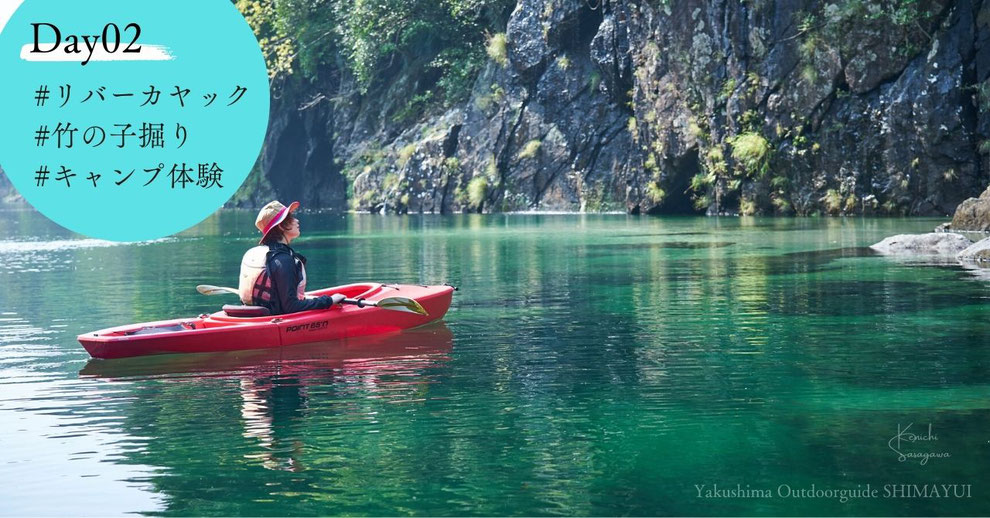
(255, 284)
(253, 269)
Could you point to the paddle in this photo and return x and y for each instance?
(402, 304)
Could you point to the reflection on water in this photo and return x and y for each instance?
(426, 342)
(590, 365)
(274, 385)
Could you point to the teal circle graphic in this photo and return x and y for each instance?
(157, 129)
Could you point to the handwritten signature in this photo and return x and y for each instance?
(905, 435)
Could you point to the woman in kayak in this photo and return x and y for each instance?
(273, 275)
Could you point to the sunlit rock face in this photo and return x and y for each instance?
(973, 214)
(938, 243)
(803, 107)
(978, 252)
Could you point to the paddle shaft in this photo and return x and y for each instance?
(207, 289)
(359, 302)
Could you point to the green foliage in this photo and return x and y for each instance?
(747, 207)
(451, 165)
(491, 169)
(458, 69)
(983, 96)
(276, 45)
(497, 92)
(655, 193)
(752, 83)
(390, 182)
(750, 119)
(367, 38)
(414, 108)
(779, 182)
(807, 24)
(651, 163)
(595, 199)
(530, 149)
(702, 181)
(696, 131)
(496, 49)
(405, 154)
(486, 102)
(984, 147)
(594, 80)
(477, 189)
(810, 46)
(702, 202)
(782, 205)
(373, 34)
(564, 62)
(832, 201)
(368, 159)
(728, 87)
(752, 152)
(838, 18)
(851, 202)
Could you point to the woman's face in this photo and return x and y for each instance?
(291, 230)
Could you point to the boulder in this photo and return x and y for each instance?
(978, 252)
(937, 243)
(973, 214)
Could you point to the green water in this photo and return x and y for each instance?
(589, 365)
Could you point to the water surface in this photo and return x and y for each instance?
(590, 365)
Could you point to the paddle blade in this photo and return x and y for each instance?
(402, 304)
(207, 289)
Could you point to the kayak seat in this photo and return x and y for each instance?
(233, 310)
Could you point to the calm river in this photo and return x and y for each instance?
(589, 365)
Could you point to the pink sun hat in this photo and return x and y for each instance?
(272, 215)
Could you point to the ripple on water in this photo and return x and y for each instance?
(863, 297)
(586, 383)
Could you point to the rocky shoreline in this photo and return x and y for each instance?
(950, 240)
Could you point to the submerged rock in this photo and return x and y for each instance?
(940, 243)
(973, 214)
(977, 252)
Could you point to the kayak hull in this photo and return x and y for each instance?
(219, 332)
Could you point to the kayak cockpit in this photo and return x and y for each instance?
(234, 313)
(156, 329)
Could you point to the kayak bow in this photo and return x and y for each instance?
(221, 332)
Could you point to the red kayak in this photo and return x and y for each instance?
(377, 354)
(222, 332)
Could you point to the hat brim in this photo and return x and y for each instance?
(279, 218)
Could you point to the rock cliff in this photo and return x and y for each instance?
(665, 106)
(706, 106)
